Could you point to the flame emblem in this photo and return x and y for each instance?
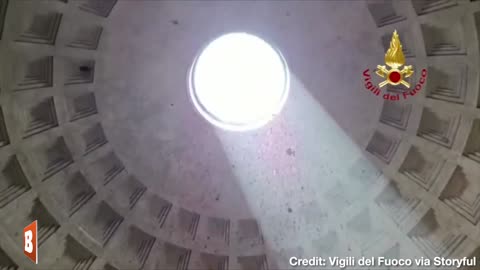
(395, 59)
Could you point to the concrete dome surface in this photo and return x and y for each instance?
(101, 144)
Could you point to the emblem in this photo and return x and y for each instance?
(394, 59)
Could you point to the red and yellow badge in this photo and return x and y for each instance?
(395, 59)
(394, 72)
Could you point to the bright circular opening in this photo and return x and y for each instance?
(239, 82)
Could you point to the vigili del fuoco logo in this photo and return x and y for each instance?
(394, 74)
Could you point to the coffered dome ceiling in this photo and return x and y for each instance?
(100, 141)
